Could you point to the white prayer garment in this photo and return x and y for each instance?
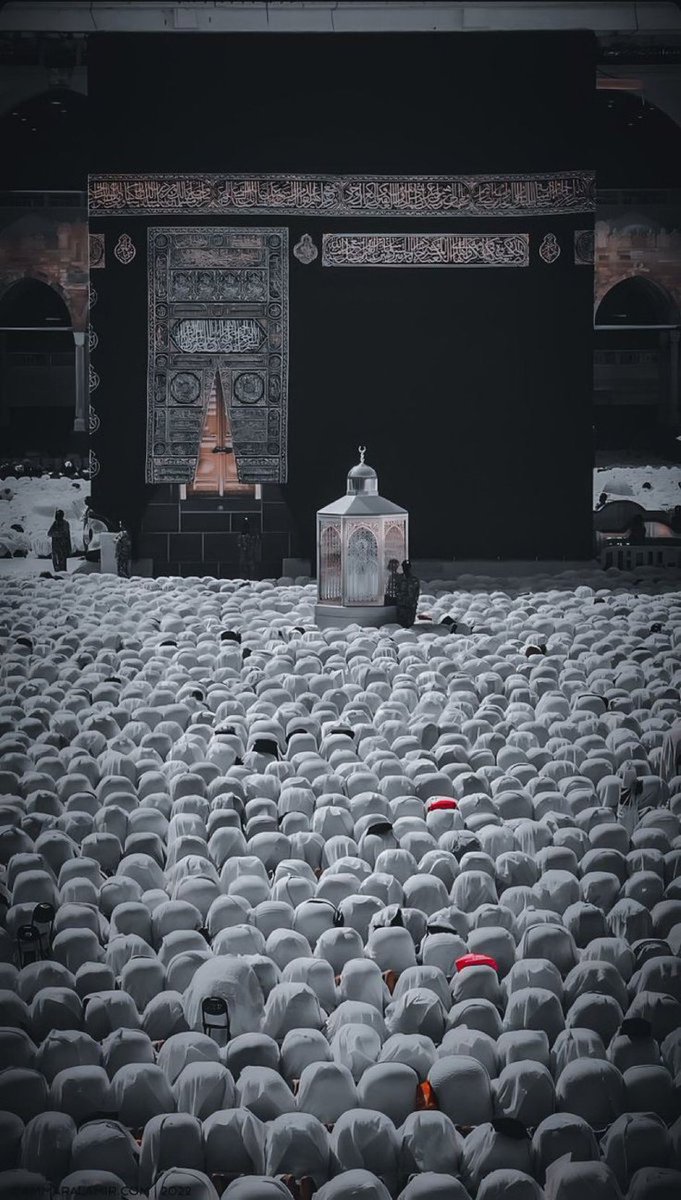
(170, 1139)
(432, 876)
(297, 1144)
(106, 1146)
(435, 1186)
(509, 1184)
(47, 1145)
(655, 1183)
(429, 1142)
(264, 1092)
(462, 1088)
(635, 1141)
(234, 1142)
(183, 1181)
(11, 1135)
(327, 1089)
(93, 1183)
(365, 1136)
(257, 1187)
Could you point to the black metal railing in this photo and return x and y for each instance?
(43, 199)
(57, 358)
(626, 358)
(611, 197)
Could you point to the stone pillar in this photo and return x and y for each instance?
(674, 364)
(80, 422)
(4, 368)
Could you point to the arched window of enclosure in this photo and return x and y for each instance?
(331, 572)
(395, 542)
(363, 574)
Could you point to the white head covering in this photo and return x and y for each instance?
(389, 1087)
(567, 1180)
(46, 1145)
(392, 949)
(66, 1048)
(413, 1049)
(106, 1146)
(361, 979)
(437, 1186)
(257, 1187)
(203, 1088)
(356, 1047)
(291, 1006)
(92, 1183)
(183, 1181)
(499, 1145)
(508, 1184)
(655, 1183)
(525, 1092)
(264, 1093)
(326, 1090)
(125, 1046)
(462, 1088)
(534, 1008)
(591, 1089)
(236, 983)
(11, 1133)
(429, 1142)
(250, 1049)
(82, 1092)
(298, 1144)
(168, 1140)
(139, 1092)
(315, 973)
(368, 1137)
(634, 1141)
(471, 1043)
(301, 1047)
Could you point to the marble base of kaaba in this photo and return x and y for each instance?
(337, 616)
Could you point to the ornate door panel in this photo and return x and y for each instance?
(218, 304)
(216, 469)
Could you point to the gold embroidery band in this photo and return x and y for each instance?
(333, 195)
(425, 250)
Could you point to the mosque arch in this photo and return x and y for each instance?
(636, 365)
(32, 300)
(637, 300)
(37, 366)
(363, 565)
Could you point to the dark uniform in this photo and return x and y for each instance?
(59, 534)
(249, 553)
(123, 553)
(407, 591)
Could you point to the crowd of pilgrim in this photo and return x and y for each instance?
(353, 913)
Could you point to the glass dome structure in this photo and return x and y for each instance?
(357, 537)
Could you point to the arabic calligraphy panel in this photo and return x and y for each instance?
(555, 193)
(224, 335)
(425, 250)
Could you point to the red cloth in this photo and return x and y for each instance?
(476, 960)
(441, 802)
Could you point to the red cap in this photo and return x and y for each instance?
(441, 802)
(476, 960)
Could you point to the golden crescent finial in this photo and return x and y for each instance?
(362, 452)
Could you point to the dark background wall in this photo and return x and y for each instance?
(471, 387)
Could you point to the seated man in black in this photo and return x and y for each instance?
(636, 535)
(407, 591)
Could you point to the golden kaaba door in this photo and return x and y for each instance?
(216, 470)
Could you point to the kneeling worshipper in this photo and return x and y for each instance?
(361, 913)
